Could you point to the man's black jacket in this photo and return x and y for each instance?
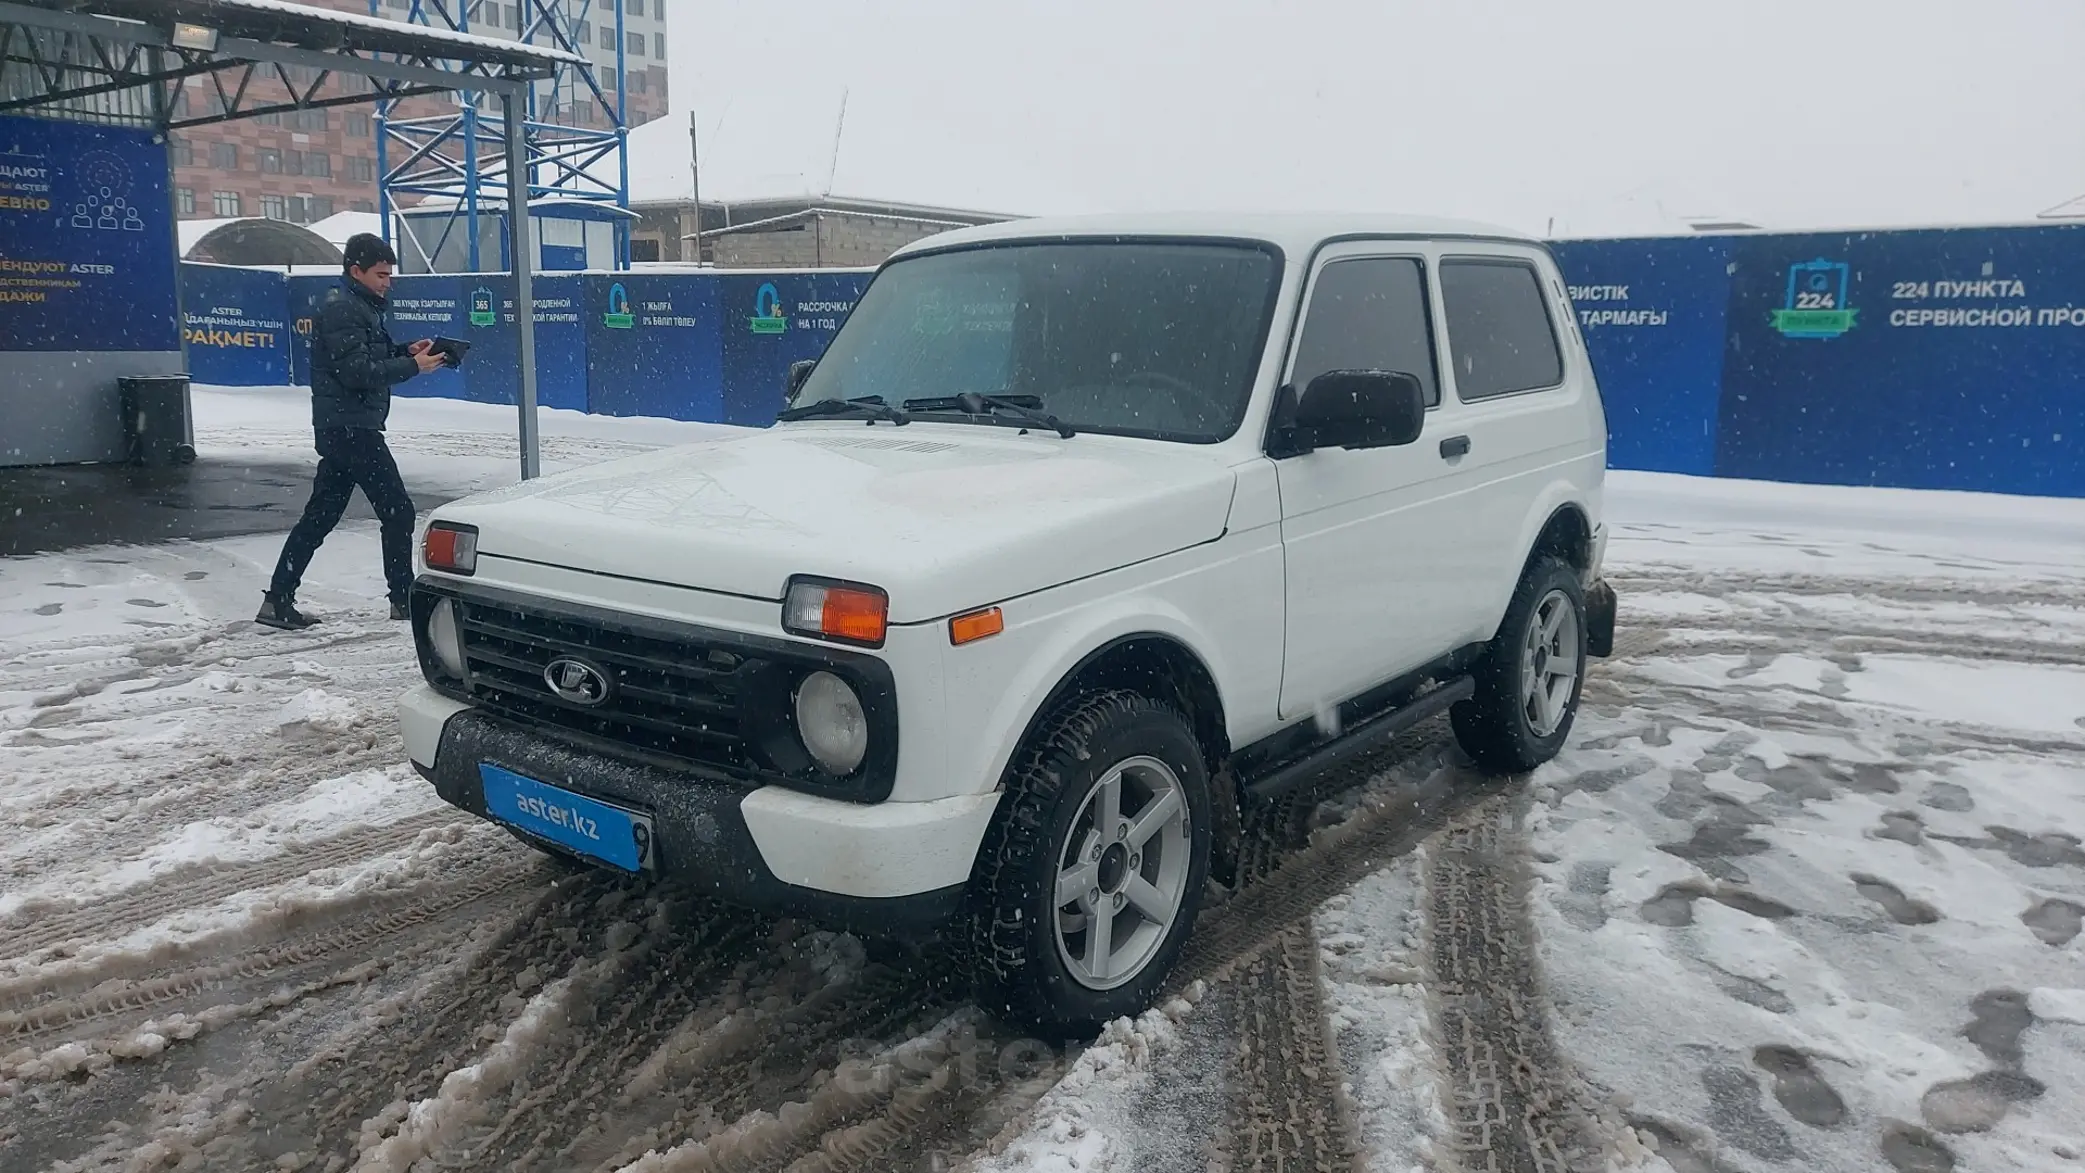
(354, 363)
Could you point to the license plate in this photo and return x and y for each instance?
(611, 834)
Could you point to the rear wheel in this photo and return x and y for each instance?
(1092, 873)
(1529, 680)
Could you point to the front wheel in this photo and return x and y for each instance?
(1092, 873)
(1529, 680)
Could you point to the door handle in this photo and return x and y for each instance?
(1455, 446)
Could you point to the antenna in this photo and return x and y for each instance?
(838, 129)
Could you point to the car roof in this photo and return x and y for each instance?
(1296, 233)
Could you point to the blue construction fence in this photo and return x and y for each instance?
(713, 347)
(1931, 359)
(1941, 359)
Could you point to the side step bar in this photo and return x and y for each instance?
(1381, 727)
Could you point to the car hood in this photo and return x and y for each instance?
(944, 517)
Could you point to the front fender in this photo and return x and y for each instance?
(1040, 653)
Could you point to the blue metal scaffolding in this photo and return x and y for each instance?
(453, 165)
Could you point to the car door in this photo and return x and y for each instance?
(1525, 416)
(1363, 537)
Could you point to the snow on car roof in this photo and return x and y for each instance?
(1293, 232)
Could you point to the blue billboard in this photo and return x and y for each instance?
(771, 321)
(492, 373)
(1928, 360)
(86, 238)
(1652, 313)
(236, 323)
(653, 345)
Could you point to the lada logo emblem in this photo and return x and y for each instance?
(577, 682)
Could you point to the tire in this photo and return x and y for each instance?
(1503, 727)
(1034, 959)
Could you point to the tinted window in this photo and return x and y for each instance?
(1499, 334)
(1137, 338)
(1368, 315)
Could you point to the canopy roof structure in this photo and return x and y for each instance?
(127, 62)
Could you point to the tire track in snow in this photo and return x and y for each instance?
(325, 1103)
(1289, 1114)
(666, 983)
(1514, 1103)
(213, 789)
(194, 989)
(1643, 578)
(187, 887)
(269, 917)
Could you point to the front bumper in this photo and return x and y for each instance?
(885, 869)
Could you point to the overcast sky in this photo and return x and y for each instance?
(1605, 115)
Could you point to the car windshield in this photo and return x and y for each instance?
(1137, 338)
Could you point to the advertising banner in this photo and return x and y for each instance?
(86, 238)
(653, 345)
(423, 307)
(236, 324)
(492, 373)
(1652, 313)
(304, 295)
(771, 321)
(1946, 359)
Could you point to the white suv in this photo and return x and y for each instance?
(1080, 536)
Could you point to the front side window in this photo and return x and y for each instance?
(1368, 314)
(1156, 339)
(1499, 333)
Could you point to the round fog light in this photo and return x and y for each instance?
(445, 638)
(829, 718)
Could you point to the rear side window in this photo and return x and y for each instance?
(1500, 337)
(1368, 314)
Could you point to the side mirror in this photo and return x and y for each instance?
(799, 371)
(1359, 409)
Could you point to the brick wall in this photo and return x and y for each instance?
(828, 242)
(346, 142)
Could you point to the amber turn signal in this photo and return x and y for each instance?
(977, 625)
(838, 611)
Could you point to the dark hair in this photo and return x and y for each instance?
(366, 249)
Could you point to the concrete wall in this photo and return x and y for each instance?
(826, 242)
(61, 407)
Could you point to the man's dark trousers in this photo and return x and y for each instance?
(351, 458)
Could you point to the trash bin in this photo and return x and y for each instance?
(155, 419)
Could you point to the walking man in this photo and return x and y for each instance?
(354, 365)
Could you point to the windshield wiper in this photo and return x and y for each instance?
(871, 406)
(1023, 407)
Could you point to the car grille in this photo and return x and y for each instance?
(675, 700)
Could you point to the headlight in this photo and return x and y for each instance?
(830, 720)
(445, 638)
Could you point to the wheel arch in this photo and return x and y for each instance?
(1155, 664)
(1568, 534)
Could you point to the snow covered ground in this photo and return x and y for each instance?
(441, 444)
(1805, 891)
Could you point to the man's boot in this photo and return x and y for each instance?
(400, 611)
(281, 611)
